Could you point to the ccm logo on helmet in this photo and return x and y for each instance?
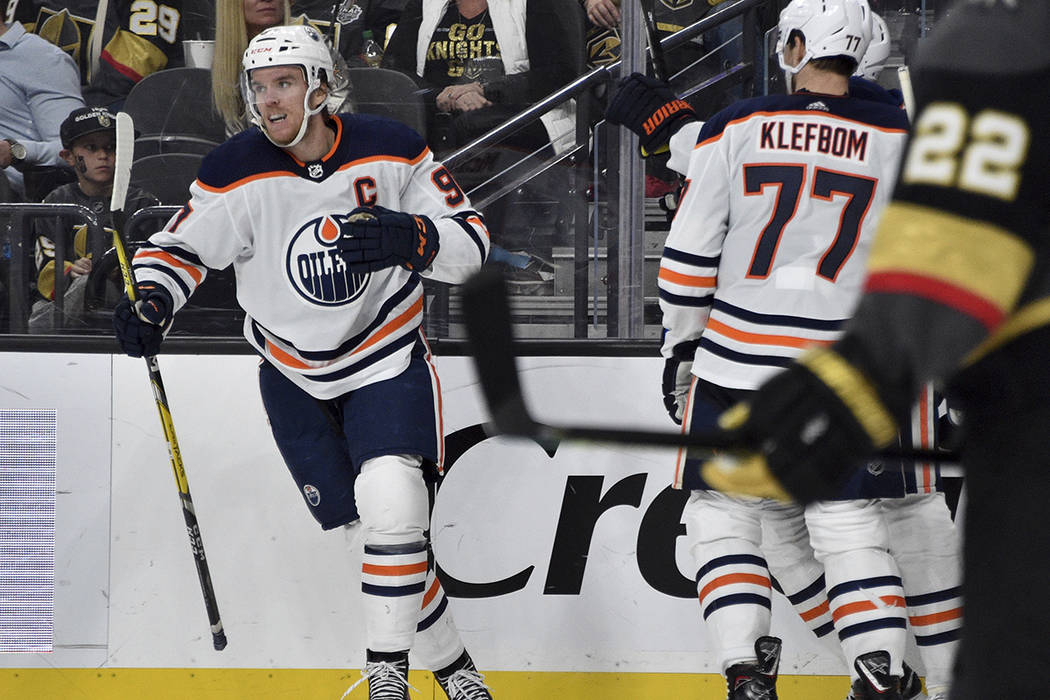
(315, 268)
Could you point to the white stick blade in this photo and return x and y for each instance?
(125, 154)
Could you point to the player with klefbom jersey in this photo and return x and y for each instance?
(330, 222)
(764, 257)
(922, 536)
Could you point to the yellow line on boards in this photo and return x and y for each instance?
(329, 684)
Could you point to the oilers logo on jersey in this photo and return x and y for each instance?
(315, 267)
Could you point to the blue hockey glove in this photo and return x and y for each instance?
(649, 108)
(806, 431)
(375, 238)
(140, 327)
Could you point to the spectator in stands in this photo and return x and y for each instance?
(483, 64)
(89, 136)
(39, 86)
(351, 18)
(136, 39)
(478, 65)
(236, 23)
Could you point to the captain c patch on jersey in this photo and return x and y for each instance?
(315, 267)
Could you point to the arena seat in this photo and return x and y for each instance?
(157, 144)
(175, 101)
(388, 93)
(167, 175)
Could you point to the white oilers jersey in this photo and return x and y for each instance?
(766, 253)
(277, 220)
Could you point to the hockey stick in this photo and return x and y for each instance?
(487, 318)
(94, 56)
(121, 180)
(904, 77)
(656, 49)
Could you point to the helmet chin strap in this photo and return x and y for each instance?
(791, 71)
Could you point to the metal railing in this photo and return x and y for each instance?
(603, 75)
(624, 301)
(20, 235)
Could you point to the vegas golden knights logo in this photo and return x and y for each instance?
(603, 47)
(64, 31)
(676, 4)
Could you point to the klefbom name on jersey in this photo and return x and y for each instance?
(814, 137)
(315, 266)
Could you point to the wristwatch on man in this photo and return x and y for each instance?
(18, 153)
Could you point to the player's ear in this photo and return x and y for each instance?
(319, 96)
(67, 155)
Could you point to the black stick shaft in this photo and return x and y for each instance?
(189, 513)
(486, 312)
(656, 49)
(121, 180)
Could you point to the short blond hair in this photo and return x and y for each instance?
(231, 39)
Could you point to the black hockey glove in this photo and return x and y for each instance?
(805, 432)
(140, 327)
(375, 238)
(677, 380)
(649, 108)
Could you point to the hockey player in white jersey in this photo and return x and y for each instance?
(330, 221)
(923, 538)
(763, 258)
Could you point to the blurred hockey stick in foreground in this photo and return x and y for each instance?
(487, 317)
(121, 180)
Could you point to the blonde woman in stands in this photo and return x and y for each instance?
(236, 23)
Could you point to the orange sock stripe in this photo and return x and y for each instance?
(814, 612)
(394, 570)
(893, 601)
(431, 593)
(730, 579)
(934, 618)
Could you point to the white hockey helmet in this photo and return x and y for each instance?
(829, 27)
(291, 45)
(878, 50)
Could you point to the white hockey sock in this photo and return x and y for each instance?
(924, 543)
(734, 591)
(867, 603)
(437, 642)
(811, 604)
(393, 578)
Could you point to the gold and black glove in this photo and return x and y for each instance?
(808, 429)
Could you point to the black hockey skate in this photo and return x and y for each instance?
(911, 686)
(461, 680)
(387, 676)
(875, 682)
(756, 681)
